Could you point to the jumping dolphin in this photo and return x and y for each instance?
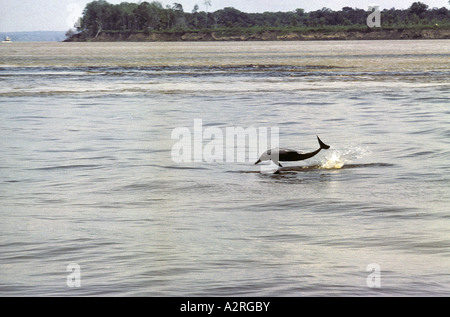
(286, 155)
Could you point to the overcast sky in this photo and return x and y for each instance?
(59, 15)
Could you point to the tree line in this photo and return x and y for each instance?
(153, 16)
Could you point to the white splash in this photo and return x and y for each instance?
(338, 158)
(335, 160)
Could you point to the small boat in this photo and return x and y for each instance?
(7, 40)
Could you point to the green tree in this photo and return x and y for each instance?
(128, 18)
(418, 8)
(96, 17)
(179, 16)
(148, 15)
(231, 17)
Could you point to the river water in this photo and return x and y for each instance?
(93, 202)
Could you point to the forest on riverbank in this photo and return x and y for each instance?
(153, 18)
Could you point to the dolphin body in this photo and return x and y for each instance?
(285, 155)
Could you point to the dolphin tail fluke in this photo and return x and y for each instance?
(323, 145)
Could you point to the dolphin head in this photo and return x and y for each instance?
(266, 156)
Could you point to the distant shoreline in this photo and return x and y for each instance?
(34, 36)
(264, 35)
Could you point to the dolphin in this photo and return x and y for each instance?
(286, 155)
